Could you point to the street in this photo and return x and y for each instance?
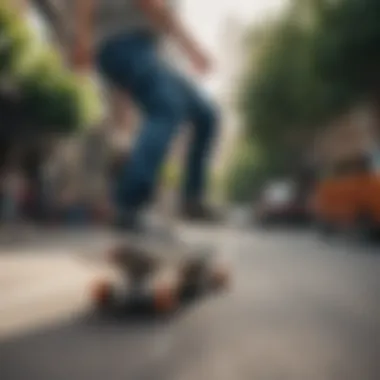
(300, 308)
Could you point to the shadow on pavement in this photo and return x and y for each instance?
(90, 346)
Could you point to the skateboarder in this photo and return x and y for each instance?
(128, 39)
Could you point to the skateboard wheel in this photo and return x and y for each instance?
(101, 292)
(165, 299)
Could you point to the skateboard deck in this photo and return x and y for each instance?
(159, 275)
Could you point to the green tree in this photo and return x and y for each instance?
(242, 175)
(47, 97)
(14, 43)
(287, 94)
(348, 50)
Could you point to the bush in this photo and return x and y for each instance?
(51, 98)
(15, 42)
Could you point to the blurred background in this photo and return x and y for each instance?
(298, 83)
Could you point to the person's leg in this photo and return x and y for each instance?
(137, 69)
(204, 118)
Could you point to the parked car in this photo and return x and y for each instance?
(348, 195)
(281, 201)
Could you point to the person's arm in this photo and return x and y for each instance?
(163, 19)
(83, 29)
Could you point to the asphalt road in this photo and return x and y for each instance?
(300, 308)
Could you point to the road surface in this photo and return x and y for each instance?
(300, 309)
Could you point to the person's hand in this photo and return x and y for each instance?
(201, 62)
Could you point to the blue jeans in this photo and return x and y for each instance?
(167, 101)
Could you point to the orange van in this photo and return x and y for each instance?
(348, 195)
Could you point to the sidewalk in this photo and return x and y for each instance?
(43, 283)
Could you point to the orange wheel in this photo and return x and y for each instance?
(165, 299)
(101, 292)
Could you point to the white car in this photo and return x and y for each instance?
(279, 202)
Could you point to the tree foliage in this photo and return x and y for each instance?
(349, 46)
(14, 42)
(47, 96)
(315, 62)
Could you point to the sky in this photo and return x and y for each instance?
(206, 18)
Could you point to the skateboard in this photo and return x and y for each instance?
(158, 277)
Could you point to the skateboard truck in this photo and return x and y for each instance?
(134, 262)
(194, 276)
